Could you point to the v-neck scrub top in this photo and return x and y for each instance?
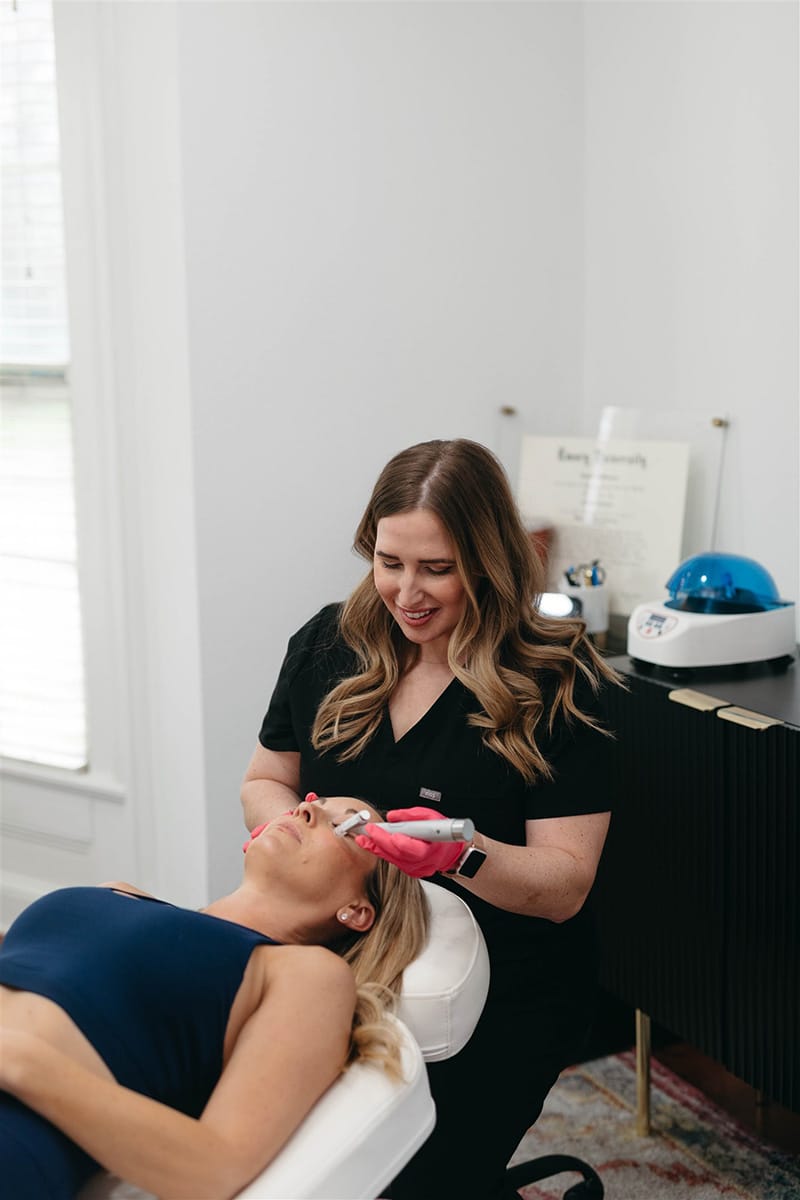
(442, 763)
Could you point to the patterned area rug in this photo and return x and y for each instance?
(696, 1151)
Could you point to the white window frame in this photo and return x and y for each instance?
(144, 788)
(34, 386)
(96, 501)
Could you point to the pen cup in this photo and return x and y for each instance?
(594, 605)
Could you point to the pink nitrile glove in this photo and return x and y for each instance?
(412, 855)
(254, 834)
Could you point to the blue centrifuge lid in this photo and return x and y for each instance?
(722, 583)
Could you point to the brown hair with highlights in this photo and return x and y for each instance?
(503, 650)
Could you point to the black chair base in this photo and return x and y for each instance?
(589, 1188)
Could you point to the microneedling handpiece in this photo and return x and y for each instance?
(355, 822)
(446, 829)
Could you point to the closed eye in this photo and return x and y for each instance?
(446, 569)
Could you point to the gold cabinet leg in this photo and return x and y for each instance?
(642, 1073)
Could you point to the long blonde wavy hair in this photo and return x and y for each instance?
(378, 959)
(502, 648)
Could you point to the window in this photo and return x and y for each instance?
(42, 704)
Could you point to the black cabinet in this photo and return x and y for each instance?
(697, 894)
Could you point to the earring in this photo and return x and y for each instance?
(343, 916)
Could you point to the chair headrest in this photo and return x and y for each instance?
(445, 988)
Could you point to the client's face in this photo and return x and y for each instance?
(302, 847)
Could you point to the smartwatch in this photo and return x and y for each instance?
(470, 863)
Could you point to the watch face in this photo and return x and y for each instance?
(472, 863)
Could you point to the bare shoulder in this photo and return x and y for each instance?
(306, 966)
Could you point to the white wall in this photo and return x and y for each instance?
(303, 236)
(692, 243)
(383, 223)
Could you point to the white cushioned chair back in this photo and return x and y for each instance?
(355, 1139)
(444, 989)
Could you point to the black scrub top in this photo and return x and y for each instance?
(442, 763)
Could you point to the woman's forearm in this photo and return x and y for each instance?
(534, 883)
(271, 785)
(265, 799)
(549, 880)
(140, 1140)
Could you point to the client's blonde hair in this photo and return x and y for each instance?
(378, 959)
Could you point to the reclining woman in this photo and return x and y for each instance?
(180, 1049)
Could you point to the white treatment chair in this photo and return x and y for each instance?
(366, 1126)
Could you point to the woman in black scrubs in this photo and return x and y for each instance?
(438, 685)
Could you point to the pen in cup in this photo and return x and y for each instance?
(585, 575)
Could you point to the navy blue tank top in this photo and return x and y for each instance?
(150, 985)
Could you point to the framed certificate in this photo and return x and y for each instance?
(621, 501)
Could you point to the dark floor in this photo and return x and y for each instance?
(614, 1031)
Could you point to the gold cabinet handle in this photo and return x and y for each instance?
(750, 720)
(698, 700)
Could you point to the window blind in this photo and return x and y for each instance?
(42, 704)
